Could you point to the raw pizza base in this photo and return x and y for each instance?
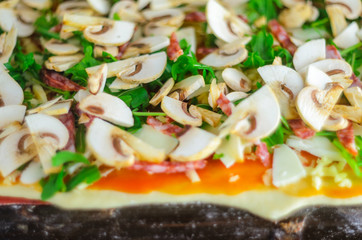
(271, 204)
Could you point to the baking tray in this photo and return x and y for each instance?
(185, 221)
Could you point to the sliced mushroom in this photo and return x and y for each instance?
(188, 86)
(315, 105)
(334, 68)
(348, 37)
(146, 45)
(297, 15)
(8, 44)
(214, 93)
(81, 21)
(59, 48)
(10, 114)
(15, 150)
(335, 122)
(178, 111)
(227, 56)
(10, 91)
(157, 29)
(354, 96)
(336, 18)
(168, 17)
(9, 3)
(100, 6)
(236, 80)
(49, 135)
(317, 78)
(10, 19)
(10, 129)
(164, 91)
(351, 8)
(287, 167)
(98, 50)
(146, 70)
(255, 117)
(189, 34)
(127, 10)
(225, 25)
(81, 94)
(97, 80)
(59, 108)
(286, 84)
(232, 150)
(353, 113)
(119, 84)
(74, 7)
(105, 142)
(43, 106)
(195, 144)
(32, 173)
(38, 4)
(308, 53)
(210, 117)
(109, 108)
(157, 139)
(115, 33)
(62, 63)
(236, 96)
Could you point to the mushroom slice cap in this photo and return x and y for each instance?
(335, 122)
(98, 50)
(115, 33)
(15, 150)
(236, 80)
(348, 37)
(315, 105)
(225, 57)
(10, 91)
(97, 80)
(119, 84)
(157, 29)
(146, 70)
(38, 4)
(317, 78)
(63, 63)
(309, 52)
(81, 22)
(59, 108)
(178, 111)
(105, 142)
(10, 114)
(8, 45)
(109, 108)
(195, 144)
(210, 117)
(74, 7)
(188, 86)
(146, 45)
(59, 48)
(32, 173)
(235, 96)
(287, 167)
(100, 6)
(255, 117)
(8, 19)
(168, 17)
(223, 24)
(354, 96)
(332, 67)
(353, 113)
(164, 91)
(351, 8)
(128, 10)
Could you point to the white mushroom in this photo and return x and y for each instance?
(348, 37)
(59, 108)
(9, 19)
(336, 18)
(63, 63)
(308, 53)
(127, 10)
(112, 50)
(334, 68)
(216, 89)
(10, 91)
(146, 45)
(315, 105)
(32, 173)
(164, 91)
(296, 16)
(113, 33)
(59, 48)
(97, 80)
(178, 111)
(100, 6)
(15, 150)
(157, 29)
(286, 84)
(255, 117)
(169, 17)
(195, 144)
(81, 22)
(38, 4)
(223, 23)
(317, 78)
(7, 45)
(74, 7)
(9, 129)
(49, 135)
(232, 150)
(210, 117)
(104, 141)
(235, 96)
(188, 86)
(351, 8)
(10, 114)
(236, 80)
(109, 108)
(287, 168)
(335, 122)
(119, 84)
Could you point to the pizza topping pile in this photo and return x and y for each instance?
(88, 87)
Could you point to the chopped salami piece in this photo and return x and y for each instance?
(282, 36)
(168, 167)
(122, 49)
(195, 17)
(308, 160)
(166, 128)
(346, 137)
(174, 50)
(300, 129)
(332, 52)
(224, 103)
(69, 122)
(202, 52)
(57, 28)
(57, 80)
(262, 154)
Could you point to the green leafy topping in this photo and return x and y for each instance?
(135, 98)
(353, 55)
(267, 8)
(354, 163)
(44, 23)
(54, 183)
(217, 156)
(80, 143)
(87, 175)
(65, 157)
(281, 133)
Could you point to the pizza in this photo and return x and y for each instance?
(252, 104)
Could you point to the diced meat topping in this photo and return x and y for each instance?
(195, 17)
(262, 154)
(300, 129)
(346, 137)
(282, 36)
(174, 50)
(224, 103)
(166, 128)
(57, 80)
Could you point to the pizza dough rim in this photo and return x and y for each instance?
(270, 204)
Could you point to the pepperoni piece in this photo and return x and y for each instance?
(174, 50)
(333, 53)
(167, 128)
(300, 129)
(224, 103)
(202, 52)
(262, 154)
(69, 122)
(195, 17)
(346, 137)
(168, 167)
(57, 80)
(282, 36)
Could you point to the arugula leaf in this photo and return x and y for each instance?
(136, 97)
(88, 175)
(281, 133)
(352, 162)
(80, 143)
(65, 157)
(267, 8)
(55, 183)
(353, 55)
(44, 23)
(217, 156)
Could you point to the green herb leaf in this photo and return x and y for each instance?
(348, 157)
(55, 183)
(65, 157)
(217, 156)
(44, 23)
(267, 8)
(80, 143)
(88, 175)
